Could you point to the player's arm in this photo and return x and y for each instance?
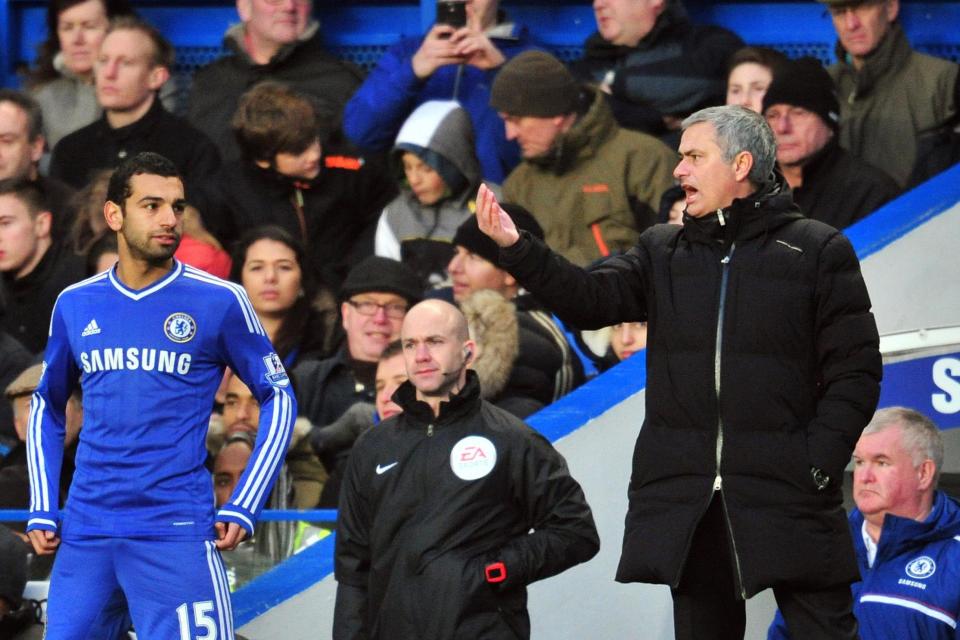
(563, 532)
(247, 351)
(45, 434)
(352, 555)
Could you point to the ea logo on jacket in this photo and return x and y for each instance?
(922, 567)
(473, 457)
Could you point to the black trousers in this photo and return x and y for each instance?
(707, 604)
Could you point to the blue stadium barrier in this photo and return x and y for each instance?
(268, 515)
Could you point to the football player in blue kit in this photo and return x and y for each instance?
(148, 341)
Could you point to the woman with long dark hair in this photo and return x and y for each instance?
(269, 263)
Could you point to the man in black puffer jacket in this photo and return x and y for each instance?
(763, 368)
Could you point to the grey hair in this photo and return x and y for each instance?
(740, 129)
(920, 436)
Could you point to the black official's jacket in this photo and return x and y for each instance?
(428, 502)
(762, 362)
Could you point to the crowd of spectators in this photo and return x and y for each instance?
(338, 201)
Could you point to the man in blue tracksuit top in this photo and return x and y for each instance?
(906, 533)
(148, 341)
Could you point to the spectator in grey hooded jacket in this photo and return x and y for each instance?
(439, 175)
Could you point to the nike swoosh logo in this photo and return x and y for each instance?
(383, 469)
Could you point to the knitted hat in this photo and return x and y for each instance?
(470, 237)
(535, 84)
(805, 83)
(382, 275)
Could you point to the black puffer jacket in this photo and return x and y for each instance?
(784, 379)
(424, 509)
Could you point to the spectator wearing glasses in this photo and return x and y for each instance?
(374, 300)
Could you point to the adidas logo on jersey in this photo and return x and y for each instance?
(91, 329)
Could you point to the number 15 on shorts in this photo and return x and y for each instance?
(202, 620)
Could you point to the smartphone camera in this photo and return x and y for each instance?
(452, 12)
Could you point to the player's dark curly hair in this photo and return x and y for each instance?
(146, 162)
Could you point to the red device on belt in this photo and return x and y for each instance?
(495, 572)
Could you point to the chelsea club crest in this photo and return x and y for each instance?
(922, 567)
(180, 327)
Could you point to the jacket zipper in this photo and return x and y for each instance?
(717, 364)
(430, 430)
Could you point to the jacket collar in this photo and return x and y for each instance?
(582, 140)
(40, 274)
(673, 19)
(418, 413)
(899, 535)
(139, 128)
(821, 161)
(892, 53)
(234, 41)
(505, 29)
(273, 181)
(768, 208)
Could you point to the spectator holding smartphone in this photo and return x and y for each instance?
(452, 61)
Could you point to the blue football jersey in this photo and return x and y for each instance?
(149, 363)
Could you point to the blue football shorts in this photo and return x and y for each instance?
(175, 589)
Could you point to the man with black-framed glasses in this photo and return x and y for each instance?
(374, 299)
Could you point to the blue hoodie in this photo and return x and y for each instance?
(375, 113)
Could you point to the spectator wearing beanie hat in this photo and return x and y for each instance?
(592, 185)
(829, 184)
(374, 299)
(546, 367)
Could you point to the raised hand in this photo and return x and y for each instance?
(437, 49)
(493, 220)
(477, 49)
